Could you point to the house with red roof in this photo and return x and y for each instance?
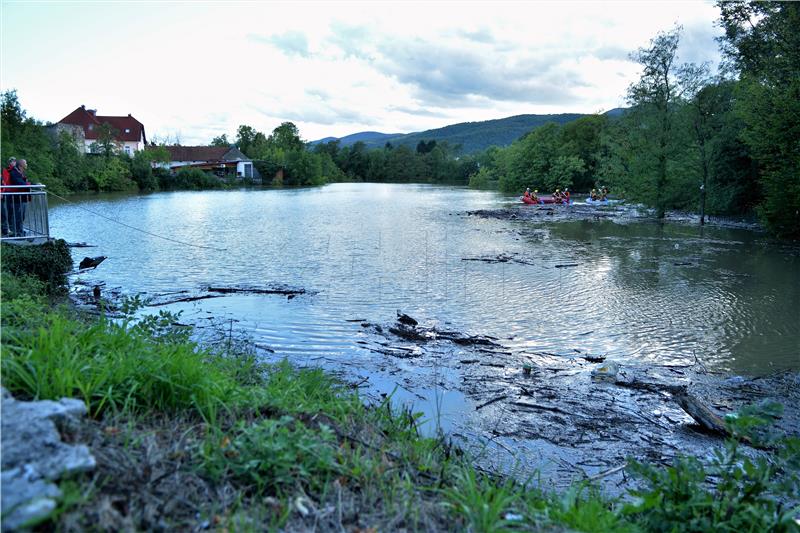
(221, 160)
(128, 133)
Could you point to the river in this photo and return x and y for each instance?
(639, 293)
(656, 293)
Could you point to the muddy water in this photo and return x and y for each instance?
(550, 285)
(638, 290)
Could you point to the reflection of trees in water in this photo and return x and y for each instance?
(728, 294)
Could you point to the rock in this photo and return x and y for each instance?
(33, 456)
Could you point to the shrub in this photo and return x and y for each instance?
(48, 262)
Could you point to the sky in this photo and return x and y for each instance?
(190, 71)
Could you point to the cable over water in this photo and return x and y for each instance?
(138, 229)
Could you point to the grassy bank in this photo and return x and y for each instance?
(189, 437)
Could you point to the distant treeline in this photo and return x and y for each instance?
(725, 144)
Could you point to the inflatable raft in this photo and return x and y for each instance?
(544, 200)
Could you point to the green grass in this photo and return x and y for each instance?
(111, 367)
(296, 448)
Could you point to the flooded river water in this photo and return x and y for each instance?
(639, 293)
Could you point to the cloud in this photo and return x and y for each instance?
(416, 111)
(290, 43)
(319, 114)
(352, 40)
(612, 52)
(694, 44)
(482, 35)
(449, 76)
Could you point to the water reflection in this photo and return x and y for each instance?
(639, 290)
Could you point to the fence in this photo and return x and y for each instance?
(24, 213)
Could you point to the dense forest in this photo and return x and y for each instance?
(719, 144)
(472, 137)
(726, 143)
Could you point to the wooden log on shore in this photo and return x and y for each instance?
(701, 413)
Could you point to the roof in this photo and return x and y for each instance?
(126, 128)
(204, 153)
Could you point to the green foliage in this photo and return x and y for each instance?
(113, 366)
(189, 178)
(110, 174)
(483, 179)
(106, 143)
(274, 456)
(654, 98)
(762, 43)
(142, 167)
(221, 140)
(746, 494)
(584, 509)
(48, 262)
(303, 168)
(286, 137)
(481, 503)
(25, 138)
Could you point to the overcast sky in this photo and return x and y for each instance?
(196, 70)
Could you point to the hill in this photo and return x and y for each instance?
(472, 136)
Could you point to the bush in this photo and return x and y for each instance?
(48, 262)
(189, 178)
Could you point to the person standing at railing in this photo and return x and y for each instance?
(18, 202)
(5, 204)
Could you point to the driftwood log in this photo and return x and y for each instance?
(701, 413)
(690, 403)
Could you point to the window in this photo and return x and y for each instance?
(127, 130)
(91, 127)
(128, 150)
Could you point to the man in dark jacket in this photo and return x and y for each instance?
(17, 202)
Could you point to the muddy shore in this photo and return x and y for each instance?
(549, 414)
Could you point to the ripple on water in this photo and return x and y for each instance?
(644, 291)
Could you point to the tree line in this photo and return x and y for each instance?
(723, 144)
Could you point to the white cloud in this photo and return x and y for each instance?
(202, 69)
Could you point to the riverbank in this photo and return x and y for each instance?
(192, 437)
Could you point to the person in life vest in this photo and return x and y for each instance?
(593, 195)
(603, 193)
(5, 202)
(566, 195)
(558, 197)
(527, 193)
(535, 196)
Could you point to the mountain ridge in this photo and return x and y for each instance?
(472, 136)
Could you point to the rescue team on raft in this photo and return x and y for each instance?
(559, 197)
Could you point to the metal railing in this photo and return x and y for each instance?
(23, 213)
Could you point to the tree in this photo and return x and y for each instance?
(287, 137)
(70, 163)
(762, 44)
(251, 142)
(701, 112)
(106, 143)
(221, 140)
(654, 97)
(582, 138)
(424, 147)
